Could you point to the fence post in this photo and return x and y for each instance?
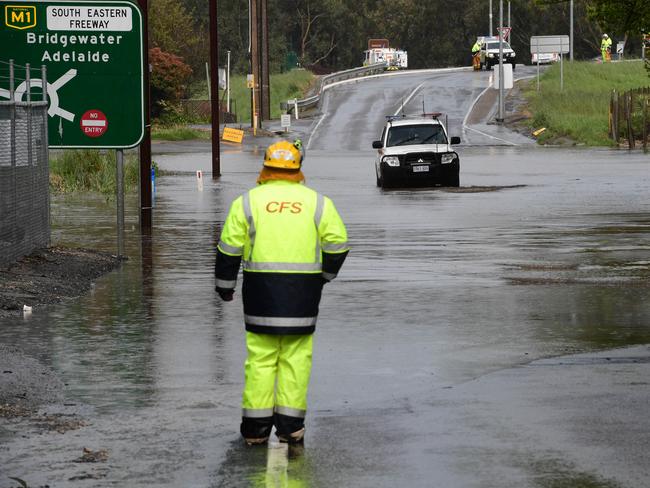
(645, 119)
(610, 122)
(630, 112)
(615, 117)
(12, 116)
(46, 149)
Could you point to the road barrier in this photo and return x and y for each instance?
(629, 117)
(312, 101)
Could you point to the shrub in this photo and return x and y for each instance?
(169, 79)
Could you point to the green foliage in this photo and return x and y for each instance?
(169, 77)
(176, 29)
(91, 170)
(580, 112)
(178, 133)
(284, 86)
(622, 16)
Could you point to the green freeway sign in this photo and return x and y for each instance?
(94, 58)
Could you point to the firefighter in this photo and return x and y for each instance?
(476, 55)
(606, 48)
(292, 241)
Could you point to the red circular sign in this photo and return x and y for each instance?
(93, 123)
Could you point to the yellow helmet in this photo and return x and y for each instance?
(283, 155)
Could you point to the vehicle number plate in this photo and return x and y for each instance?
(420, 169)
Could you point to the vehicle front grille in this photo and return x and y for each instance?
(421, 158)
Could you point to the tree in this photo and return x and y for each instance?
(623, 16)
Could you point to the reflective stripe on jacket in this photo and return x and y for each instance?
(291, 239)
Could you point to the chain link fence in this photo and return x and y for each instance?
(24, 176)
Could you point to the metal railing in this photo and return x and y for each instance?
(348, 74)
(24, 164)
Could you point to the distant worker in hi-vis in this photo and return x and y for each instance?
(606, 48)
(476, 55)
(292, 241)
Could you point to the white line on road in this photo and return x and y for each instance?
(490, 136)
(408, 99)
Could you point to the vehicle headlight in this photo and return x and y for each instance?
(490, 55)
(448, 158)
(513, 54)
(391, 160)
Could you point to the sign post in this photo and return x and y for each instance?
(93, 53)
(550, 45)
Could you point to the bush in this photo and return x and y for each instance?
(169, 79)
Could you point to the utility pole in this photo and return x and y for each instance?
(255, 62)
(509, 23)
(490, 18)
(264, 51)
(145, 145)
(501, 101)
(214, 88)
(571, 31)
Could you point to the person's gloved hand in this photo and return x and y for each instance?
(225, 295)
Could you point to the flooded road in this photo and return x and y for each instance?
(494, 335)
(424, 361)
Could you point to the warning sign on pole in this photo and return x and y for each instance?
(505, 32)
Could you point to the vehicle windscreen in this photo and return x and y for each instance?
(495, 45)
(408, 135)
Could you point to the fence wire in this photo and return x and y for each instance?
(24, 179)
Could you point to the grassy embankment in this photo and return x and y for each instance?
(283, 87)
(581, 111)
(91, 170)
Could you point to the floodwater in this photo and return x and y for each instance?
(419, 371)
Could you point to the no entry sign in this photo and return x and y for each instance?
(93, 123)
(93, 53)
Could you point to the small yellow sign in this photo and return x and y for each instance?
(232, 135)
(20, 16)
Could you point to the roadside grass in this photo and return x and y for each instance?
(178, 133)
(91, 170)
(581, 111)
(284, 86)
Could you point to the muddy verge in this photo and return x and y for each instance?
(49, 276)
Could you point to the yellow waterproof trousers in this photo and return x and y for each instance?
(277, 375)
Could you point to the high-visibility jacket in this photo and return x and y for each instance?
(291, 240)
(476, 47)
(606, 44)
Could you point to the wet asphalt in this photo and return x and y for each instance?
(494, 335)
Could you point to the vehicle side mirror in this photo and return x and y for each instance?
(377, 144)
(455, 140)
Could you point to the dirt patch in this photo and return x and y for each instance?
(50, 276)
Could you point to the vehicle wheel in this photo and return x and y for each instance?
(488, 66)
(380, 182)
(513, 66)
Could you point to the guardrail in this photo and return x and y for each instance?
(297, 105)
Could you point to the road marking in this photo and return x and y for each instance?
(393, 73)
(408, 99)
(491, 136)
